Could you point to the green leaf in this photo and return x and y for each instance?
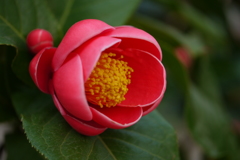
(113, 12)
(19, 17)
(151, 138)
(18, 147)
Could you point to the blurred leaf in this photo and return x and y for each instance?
(18, 147)
(210, 126)
(213, 7)
(208, 122)
(206, 80)
(173, 4)
(19, 17)
(201, 22)
(176, 69)
(168, 35)
(211, 29)
(151, 138)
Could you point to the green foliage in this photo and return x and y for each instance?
(151, 138)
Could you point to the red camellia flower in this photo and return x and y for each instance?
(100, 76)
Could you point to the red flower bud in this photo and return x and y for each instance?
(184, 57)
(39, 39)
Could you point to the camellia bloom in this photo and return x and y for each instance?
(101, 76)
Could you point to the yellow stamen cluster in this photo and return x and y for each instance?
(107, 84)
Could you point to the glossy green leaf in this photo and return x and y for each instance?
(151, 138)
(18, 147)
(19, 17)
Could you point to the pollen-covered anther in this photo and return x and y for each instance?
(107, 84)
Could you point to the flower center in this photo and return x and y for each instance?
(107, 84)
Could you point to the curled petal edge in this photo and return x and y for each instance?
(40, 68)
(136, 36)
(78, 34)
(88, 128)
(68, 85)
(113, 118)
(133, 97)
(94, 46)
(148, 109)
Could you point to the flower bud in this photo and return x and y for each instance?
(184, 57)
(39, 39)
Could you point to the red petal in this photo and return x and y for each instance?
(69, 87)
(148, 81)
(91, 51)
(137, 39)
(79, 33)
(148, 109)
(116, 117)
(89, 128)
(40, 68)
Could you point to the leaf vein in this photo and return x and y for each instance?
(51, 119)
(137, 147)
(91, 149)
(12, 28)
(66, 12)
(19, 15)
(134, 132)
(105, 145)
(63, 143)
